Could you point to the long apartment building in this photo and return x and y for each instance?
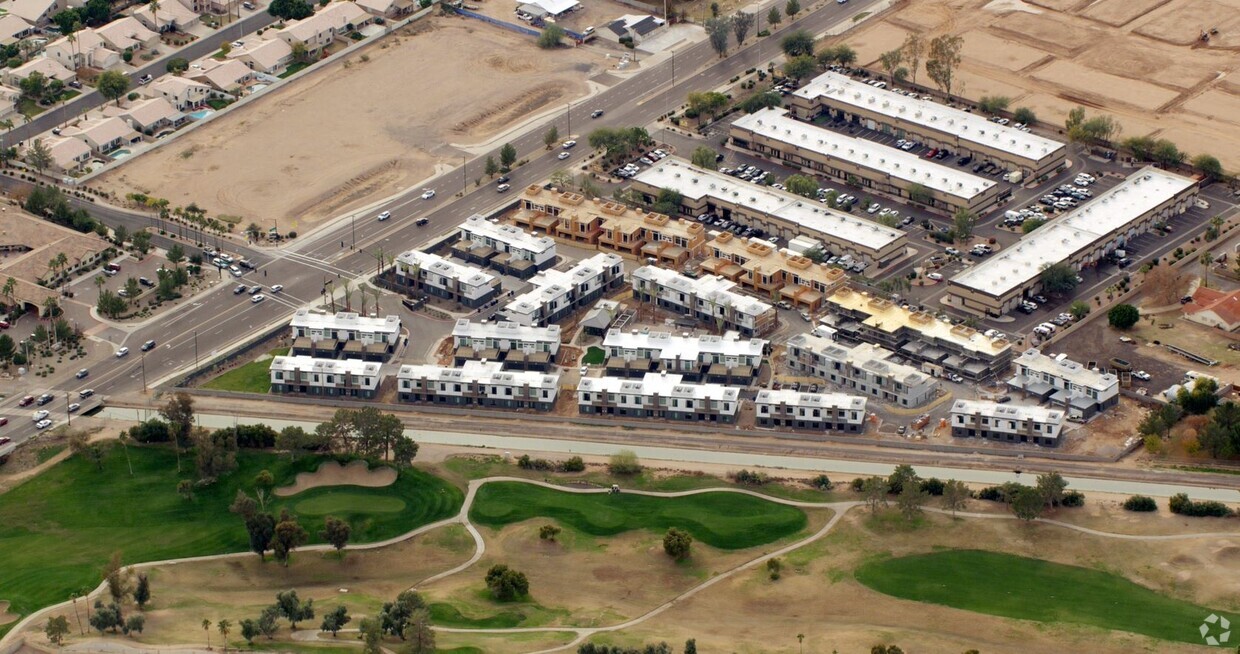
(477, 383)
(506, 248)
(791, 409)
(727, 359)
(917, 335)
(444, 278)
(709, 299)
(558, 293)
(1080, 238)
(327, 335)
(907, 116)
(658, 395)
(776, 135)
(865, 369)
(330, 377)
(777, 212)
(609, 225)
(1011, 423)
(518, 347)
(1064, 383)
(769, 271)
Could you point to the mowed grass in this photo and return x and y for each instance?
(447, 615)
(253, 377)
(58, 529)
(725, 520)
(348, 503)
(594, 356)
(1031, 589)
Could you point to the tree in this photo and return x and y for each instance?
(7, 348)
(774, 17)
(741, 24)
(792, 8)
(142, 591)
(874, 489)
(1221, 435)
(1209, 165)
(267, 621)
(1051, 487)
(249, 630)
(1168, 154)
(910, 500)
(798, 44)
(507, 155)
(774, 568)
(704, 157)
(491, 168)
(113, 85)
(691, 644)
(394, 616)
(225, 628)
(335, 620)
(1079, 309)
(1058, 278)
(890, 61)
(800, 67)
(215, 452)
(802, 185)
(624, 462)
(1200, 398)
(993, 104)
(903, 475)
(506, 584)
(551, 137)
(179, 412)
(1123, 316)
(1025, 115)
(116, 579)
(293, 609)
(1141, 146)
(1031, 224)
(759, 101)
(290, 9)
(107, 617)
(1164, 285)
(1027, 503)
(372, 636)
(418, 633)
(717, 31)
(336, 532)
(709, 102)
(56, 629)
(548, 532)
(914, 48)
(942, 61)
(1099, 129)
(185, 488)
(955, 495)
(677, 543)
(550, 36)
(38, 155)
(1075, 117)
(206, 627)
(918, 193)
(1140, 503)
(963, 223)
(289, 535)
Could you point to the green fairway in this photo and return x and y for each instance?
(446, 615)
(1032, 589)
(253, 377)
(58, 529)
(341, 503)
(723, 520)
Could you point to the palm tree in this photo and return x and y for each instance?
(1206, 259)
(206, 626)
(375, 290)
(50, 306)
(72, 42)
(362, 303)
(124, 440)
(348, 296)
(225, 626)
(253, 231)
(9, 290)
(154, 5)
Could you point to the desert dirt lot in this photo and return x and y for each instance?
(1138, 60)
(359, 131)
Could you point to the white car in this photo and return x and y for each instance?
(563, 155)
(428, 195)
(1142, 375)
(124, 351)
(277, 288)
(258, 298)
(385, 215)
(74, 407)
(568, 144)
(39, 415)
(43, 424)
(935, 276)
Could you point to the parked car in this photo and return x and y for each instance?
(145, 79)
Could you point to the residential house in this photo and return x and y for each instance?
(813, 411)
(320, 30)
(103, 135)
(13, 29)
(557, 293)
(709, 299)
(128, 33)
(1012, 423)
(519, 347)
(310, 376)
(865, 368)
(87, 49)
(171, 17)
(68, 154)
(478, 383)
(388, 9)
(435, 275)
(228, 77)
(634, 27)
(48, 68)
(181, 93)
(35, 12)
(726, 359)
(9, 98)
(152, 115)
(1082, 391)
(270, 56)
(1214, 308)
(506, 248)
(658, 395)
(347, 334)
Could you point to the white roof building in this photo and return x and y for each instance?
(557, 292)
(554, 7)
(708, 297)
(324, 376)
(345, 326)
(484, 374)
(1009, 422)
(511, 239)
(729, 349)
(634, 394)
(506, 336)
(465, 282)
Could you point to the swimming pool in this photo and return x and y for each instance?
(120, 154)
(201, 113)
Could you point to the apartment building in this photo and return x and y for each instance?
(866, 369)
(564, 214)
(1080, 238)
(348, 334)
(506, 248)
(1064, 383)
(709, 299)
(777, 212)
(330, 377)
(518, 347)
(776, 135)
(791, 409)
(727, 359)
(432, 274)
(918, 335)
(558, 293)
(658, 395)
(768, 271)
(937, 125)
(478, 383)
(1011, 423)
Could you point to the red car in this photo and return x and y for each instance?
(26, 401)
(4, 324)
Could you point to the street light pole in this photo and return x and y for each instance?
(68, 413)
(569, 115)
(144, 372)
(195, 350)
(464, 176)
(353, 228)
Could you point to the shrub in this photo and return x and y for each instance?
(750, 478)
(1140, 503)
(857, 485)
(526, 463)
(1072, 499)
(151, 431)
(1181, 505)
(932, 486)
(821, 482)
(574, 464)
(624, 462)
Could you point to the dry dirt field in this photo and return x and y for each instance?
(1139, 60)
(360, 131)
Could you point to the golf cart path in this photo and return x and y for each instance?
(110, 646)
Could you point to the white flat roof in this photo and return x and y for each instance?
(513, 236)
(811, 400)
(345, 320)
(1058, 240)
(467, 275)
(503, 329)
(1067, 369)
(843, 90)
(706, 287)
(551, 283)
(674, 346)
(776, 124)
(696, 183)
(326, 366)
(490, 372)
(866, 356)
(662, 384)
(554, 7)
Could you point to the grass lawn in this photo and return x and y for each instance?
(594, 356)
(293, 69)
(724, 520)
(28, 107)
(447, 615)
(58, 529)
(1031, 589)
(48, 451)
(253, 377)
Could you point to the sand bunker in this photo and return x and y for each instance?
(5, 616)
(331, 473)
(1229, 555)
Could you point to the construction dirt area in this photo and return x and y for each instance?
(1142, 61)
(381, 121)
